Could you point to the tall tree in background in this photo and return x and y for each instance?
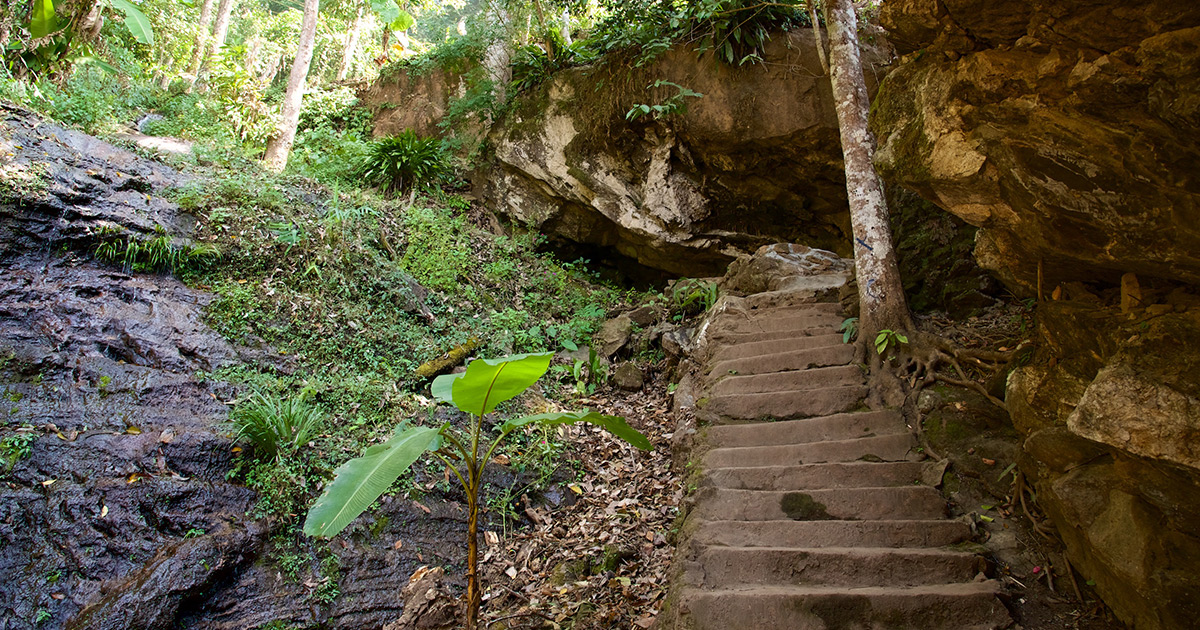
(201, 40)
(279, 147)
(351, 44)
(880, 292)
(220, 30)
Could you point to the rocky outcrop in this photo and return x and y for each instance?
(1067, 132)
(756, 160)
(409, 98)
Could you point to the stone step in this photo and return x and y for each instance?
(818, 476)
(842, 426)
(724, 567)
(775, 346)
(842, 504)
(814, 308)
(783, 405)
(730, 338)
(811, 534)
(971, 606)
(895, 447)
(779, 322)
(800, 360)
(801, 379)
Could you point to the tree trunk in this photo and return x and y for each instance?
(280, 146)
(880, 292)
(566, 26)
(220, 30)
(351, 46)
(816, 27)
(201, 40)
(545, 34)
(497, 58)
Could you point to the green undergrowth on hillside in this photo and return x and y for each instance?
(344, 294)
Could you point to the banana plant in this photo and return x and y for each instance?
(485, 384)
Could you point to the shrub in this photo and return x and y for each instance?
(401, 162)
(277, 426)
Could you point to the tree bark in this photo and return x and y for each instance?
(351, 46)
(497, 58)
(220, 30)
(566, 26)
(280, 146)
(880, 292)
(201, 40)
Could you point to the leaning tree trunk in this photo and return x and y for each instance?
(351, 46)
(880, 292)
(201, 40)
(279, 147)
(816, 27)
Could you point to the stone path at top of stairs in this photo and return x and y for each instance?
(813, 513)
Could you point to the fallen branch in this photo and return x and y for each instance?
(447, 361)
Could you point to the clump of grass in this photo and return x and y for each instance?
(156, 254)
(277, 426)
(401, 162)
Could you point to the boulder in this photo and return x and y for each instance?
(613, 336)
(783, 266)
(629, 377)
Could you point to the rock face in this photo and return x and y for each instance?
(755, 160)
(121, 515)
(1068, 132)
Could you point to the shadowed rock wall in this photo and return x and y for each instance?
(1069, 133)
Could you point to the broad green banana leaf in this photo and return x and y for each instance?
(489, 382)
(358, 482)
(615, 425)
(136, 21)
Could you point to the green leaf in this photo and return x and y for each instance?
(489, 382)
(358, 482)
(443, 388)
(88, 60)
(901, 338)
(43, 21)
(387, 10)
(403, 22)
(136, 21)
(615, 425)
(569, 345)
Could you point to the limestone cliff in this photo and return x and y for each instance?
(1069, 133)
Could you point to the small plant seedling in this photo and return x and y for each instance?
(485, 384)
(849, 329)
(889, 340)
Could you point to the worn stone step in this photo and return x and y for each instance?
(780, 322)
(894, 447)
(789, 533)
(819, 476)
(815, 308)
(724, 567)
(842, 426)
(842, 504)
(782, 405)
(970, 606)
(775, 346)
(797, 360)
(730, 338)
(801, 379)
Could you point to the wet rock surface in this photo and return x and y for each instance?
(121, 515)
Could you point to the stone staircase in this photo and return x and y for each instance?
(812, 512)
